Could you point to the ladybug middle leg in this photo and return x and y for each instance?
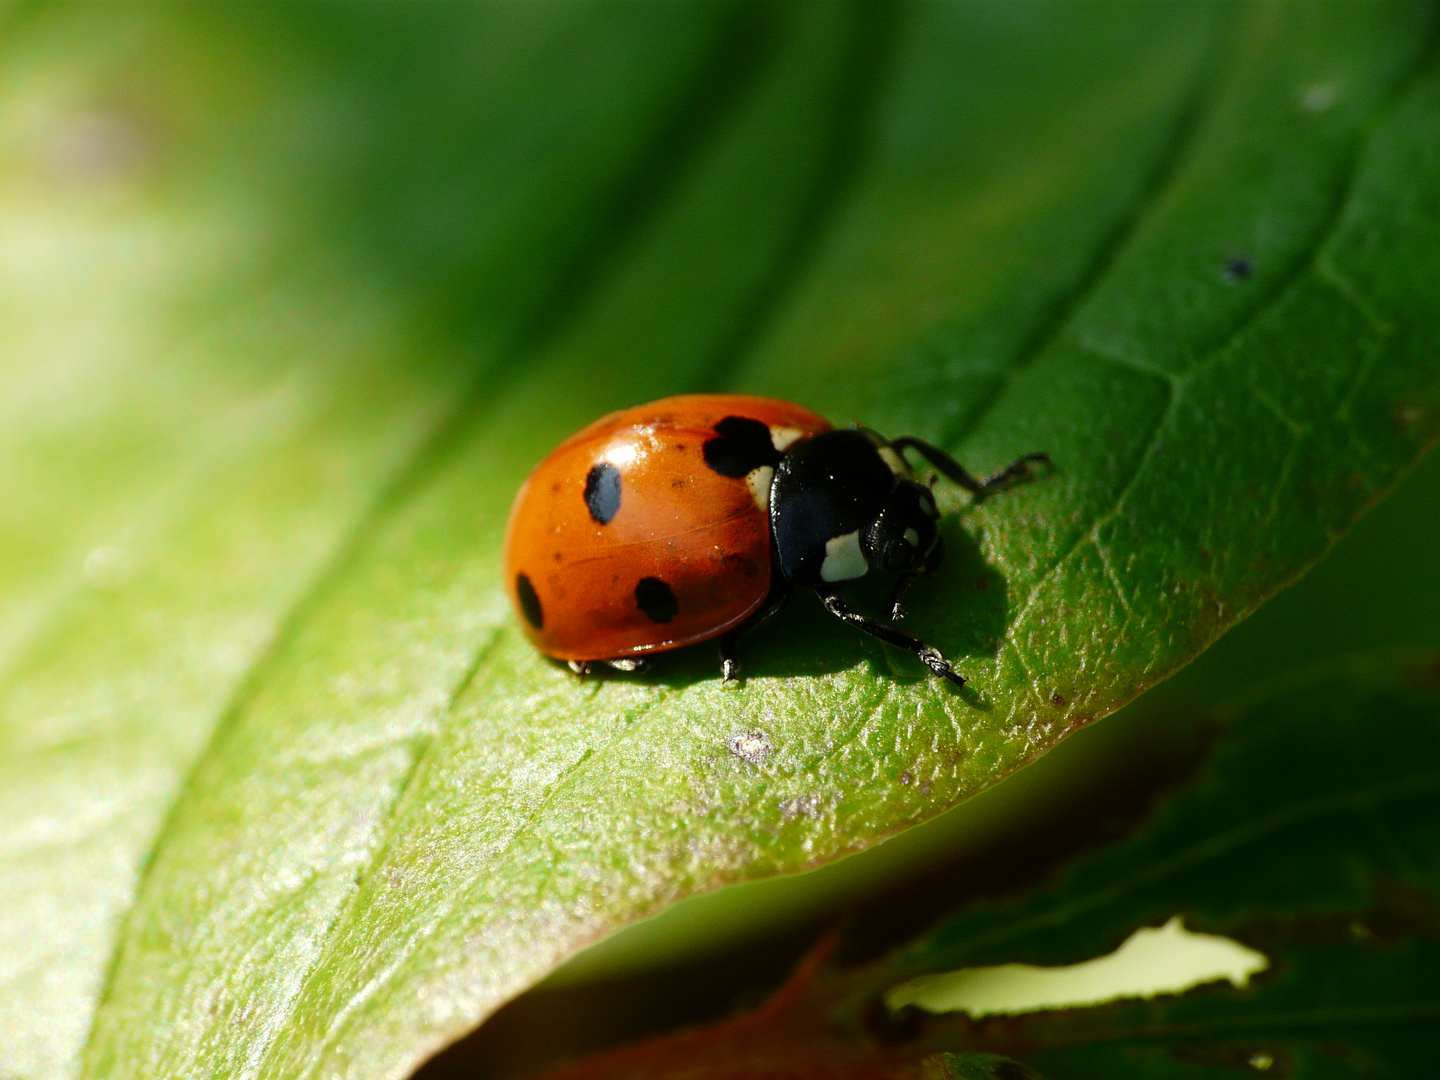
(897, 594)
(729, 663)
(948, 467)
(834, 601)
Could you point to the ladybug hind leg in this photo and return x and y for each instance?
(630, 663)
(627, 664)
(729, 665)
(834, 601)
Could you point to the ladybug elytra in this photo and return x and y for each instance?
(696, 517)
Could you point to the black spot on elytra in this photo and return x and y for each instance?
(656, 600)
(602, 492)
(742, 446)
(529, 601)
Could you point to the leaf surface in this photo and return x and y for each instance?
(1306, 838)
(1324, 866)
(300, 294)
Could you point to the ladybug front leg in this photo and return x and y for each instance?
(834, 602)
(1018, 469)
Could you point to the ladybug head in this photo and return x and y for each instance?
(903, 533)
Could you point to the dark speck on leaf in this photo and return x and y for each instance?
(1238, 268)
(1058, 700)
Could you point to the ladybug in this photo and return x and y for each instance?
(695, 517)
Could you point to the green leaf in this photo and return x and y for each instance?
(1363, 597)
(1306, 836)
(295, 296)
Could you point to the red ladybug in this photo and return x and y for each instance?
(695, 517)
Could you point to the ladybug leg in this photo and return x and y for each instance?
(929, 566)
(580, 667)
(729, 666)
(948, 467)
(630, 663)
(897, 594)
(834, 602)
(1019, 469)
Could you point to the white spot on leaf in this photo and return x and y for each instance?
(1319, 97)
(1151, 961)
(108, 568)
(751, 746)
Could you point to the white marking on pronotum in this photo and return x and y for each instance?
(894, 460)
(758, 481)
(912, 537)
(1152, 961)
(844, 561)
(782, 437)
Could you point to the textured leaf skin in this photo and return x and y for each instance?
(1307, 834)
(297, 799)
